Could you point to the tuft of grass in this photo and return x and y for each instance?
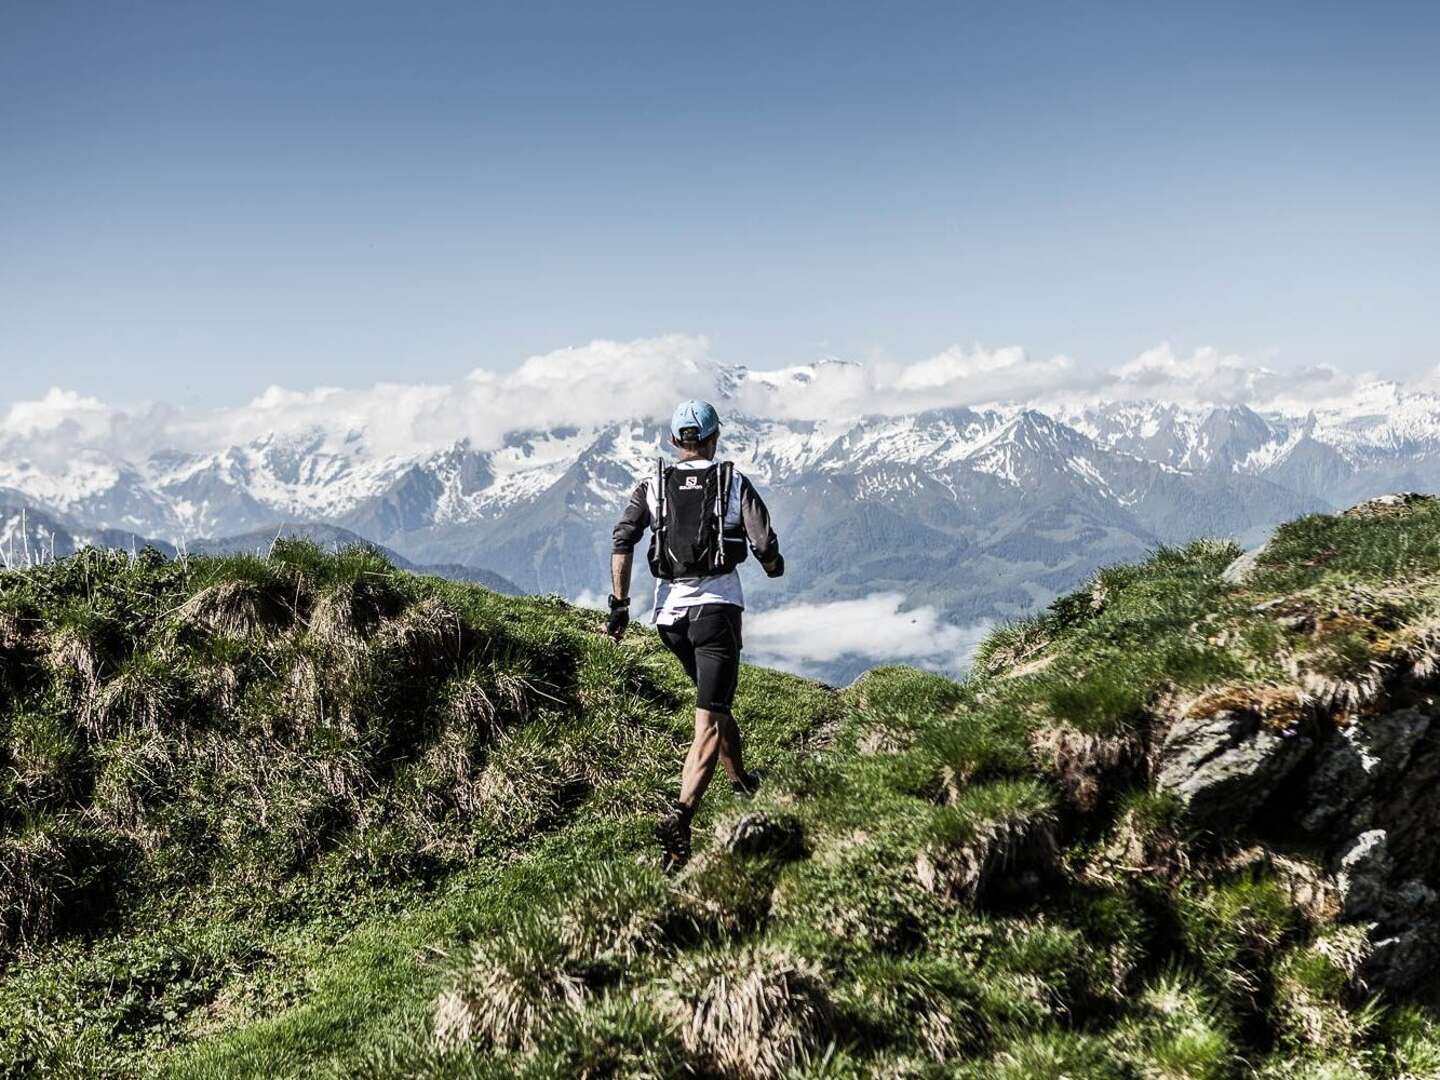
(1045, 966)
(1013, 648)
(83, 642)
(989, 745)
(859, 893)
(240, 596)
(1178, 1031)
(509, 990)
(891, 705)
(49, 864)
(1235, 927)
(612, 1037)
(1105, 700)
(752, 1011)
(1147, 845)
(925, 1007)
(144, 695)
(617, 914)
(727, 895)
(1414, 1043)
(44, 760)
(1312, 984)
(1052, 1055)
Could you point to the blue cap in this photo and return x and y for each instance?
(700, 415)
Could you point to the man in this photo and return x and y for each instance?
(703, 517)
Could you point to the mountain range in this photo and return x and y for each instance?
(983, 513)
(30, 536)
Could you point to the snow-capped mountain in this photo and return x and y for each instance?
(987, 512)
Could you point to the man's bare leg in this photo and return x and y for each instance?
(732, 758)
(717, 738)
(699, 766)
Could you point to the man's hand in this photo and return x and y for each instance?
(776, 568)
(619, 617)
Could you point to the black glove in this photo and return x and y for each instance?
(619, 617)
(776, 568)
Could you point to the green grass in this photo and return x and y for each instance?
(308, 815)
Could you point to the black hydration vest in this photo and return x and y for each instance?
(690, 538)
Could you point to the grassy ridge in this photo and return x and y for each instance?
(307, 813)
(217, 770)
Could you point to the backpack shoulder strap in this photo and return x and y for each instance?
(722, 499)
(658, 524)
(727, 481)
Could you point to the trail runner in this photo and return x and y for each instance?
(705, 517)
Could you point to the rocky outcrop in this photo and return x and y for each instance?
(1354, 768)
(1356, 778)
(1368, 792)
(1224, 765)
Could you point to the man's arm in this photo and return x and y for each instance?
(627, 533)
(758, 530)
(620, 564)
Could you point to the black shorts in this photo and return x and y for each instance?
(707, 641)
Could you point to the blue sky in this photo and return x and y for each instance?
(199, 200)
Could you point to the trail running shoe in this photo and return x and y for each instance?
(673, 833)
(747, 785)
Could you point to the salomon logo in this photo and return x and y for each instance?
(691, 482)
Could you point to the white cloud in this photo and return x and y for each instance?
(954, 377)
(981, 373)
(981, 376)
(1208, 376)
(591, 599)
(57, 409)
(589, 385)
(876, 629)
(606, 381)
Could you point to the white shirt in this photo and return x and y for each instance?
(673, 597)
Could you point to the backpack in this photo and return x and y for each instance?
(690, 538)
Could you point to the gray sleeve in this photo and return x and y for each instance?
(756, 518)
(633, 522)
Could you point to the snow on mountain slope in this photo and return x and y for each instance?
(932, 440)
(302, 475)
(1191, 439)
(85, 475)
(1109, 452)
(1383, 419)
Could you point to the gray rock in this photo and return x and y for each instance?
(1416, 896)
(1363, 877)
(1407, 808)
(1372, 787)
(1365, 757)
(1245, 565)
(1404, 960)
(1223, 766)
